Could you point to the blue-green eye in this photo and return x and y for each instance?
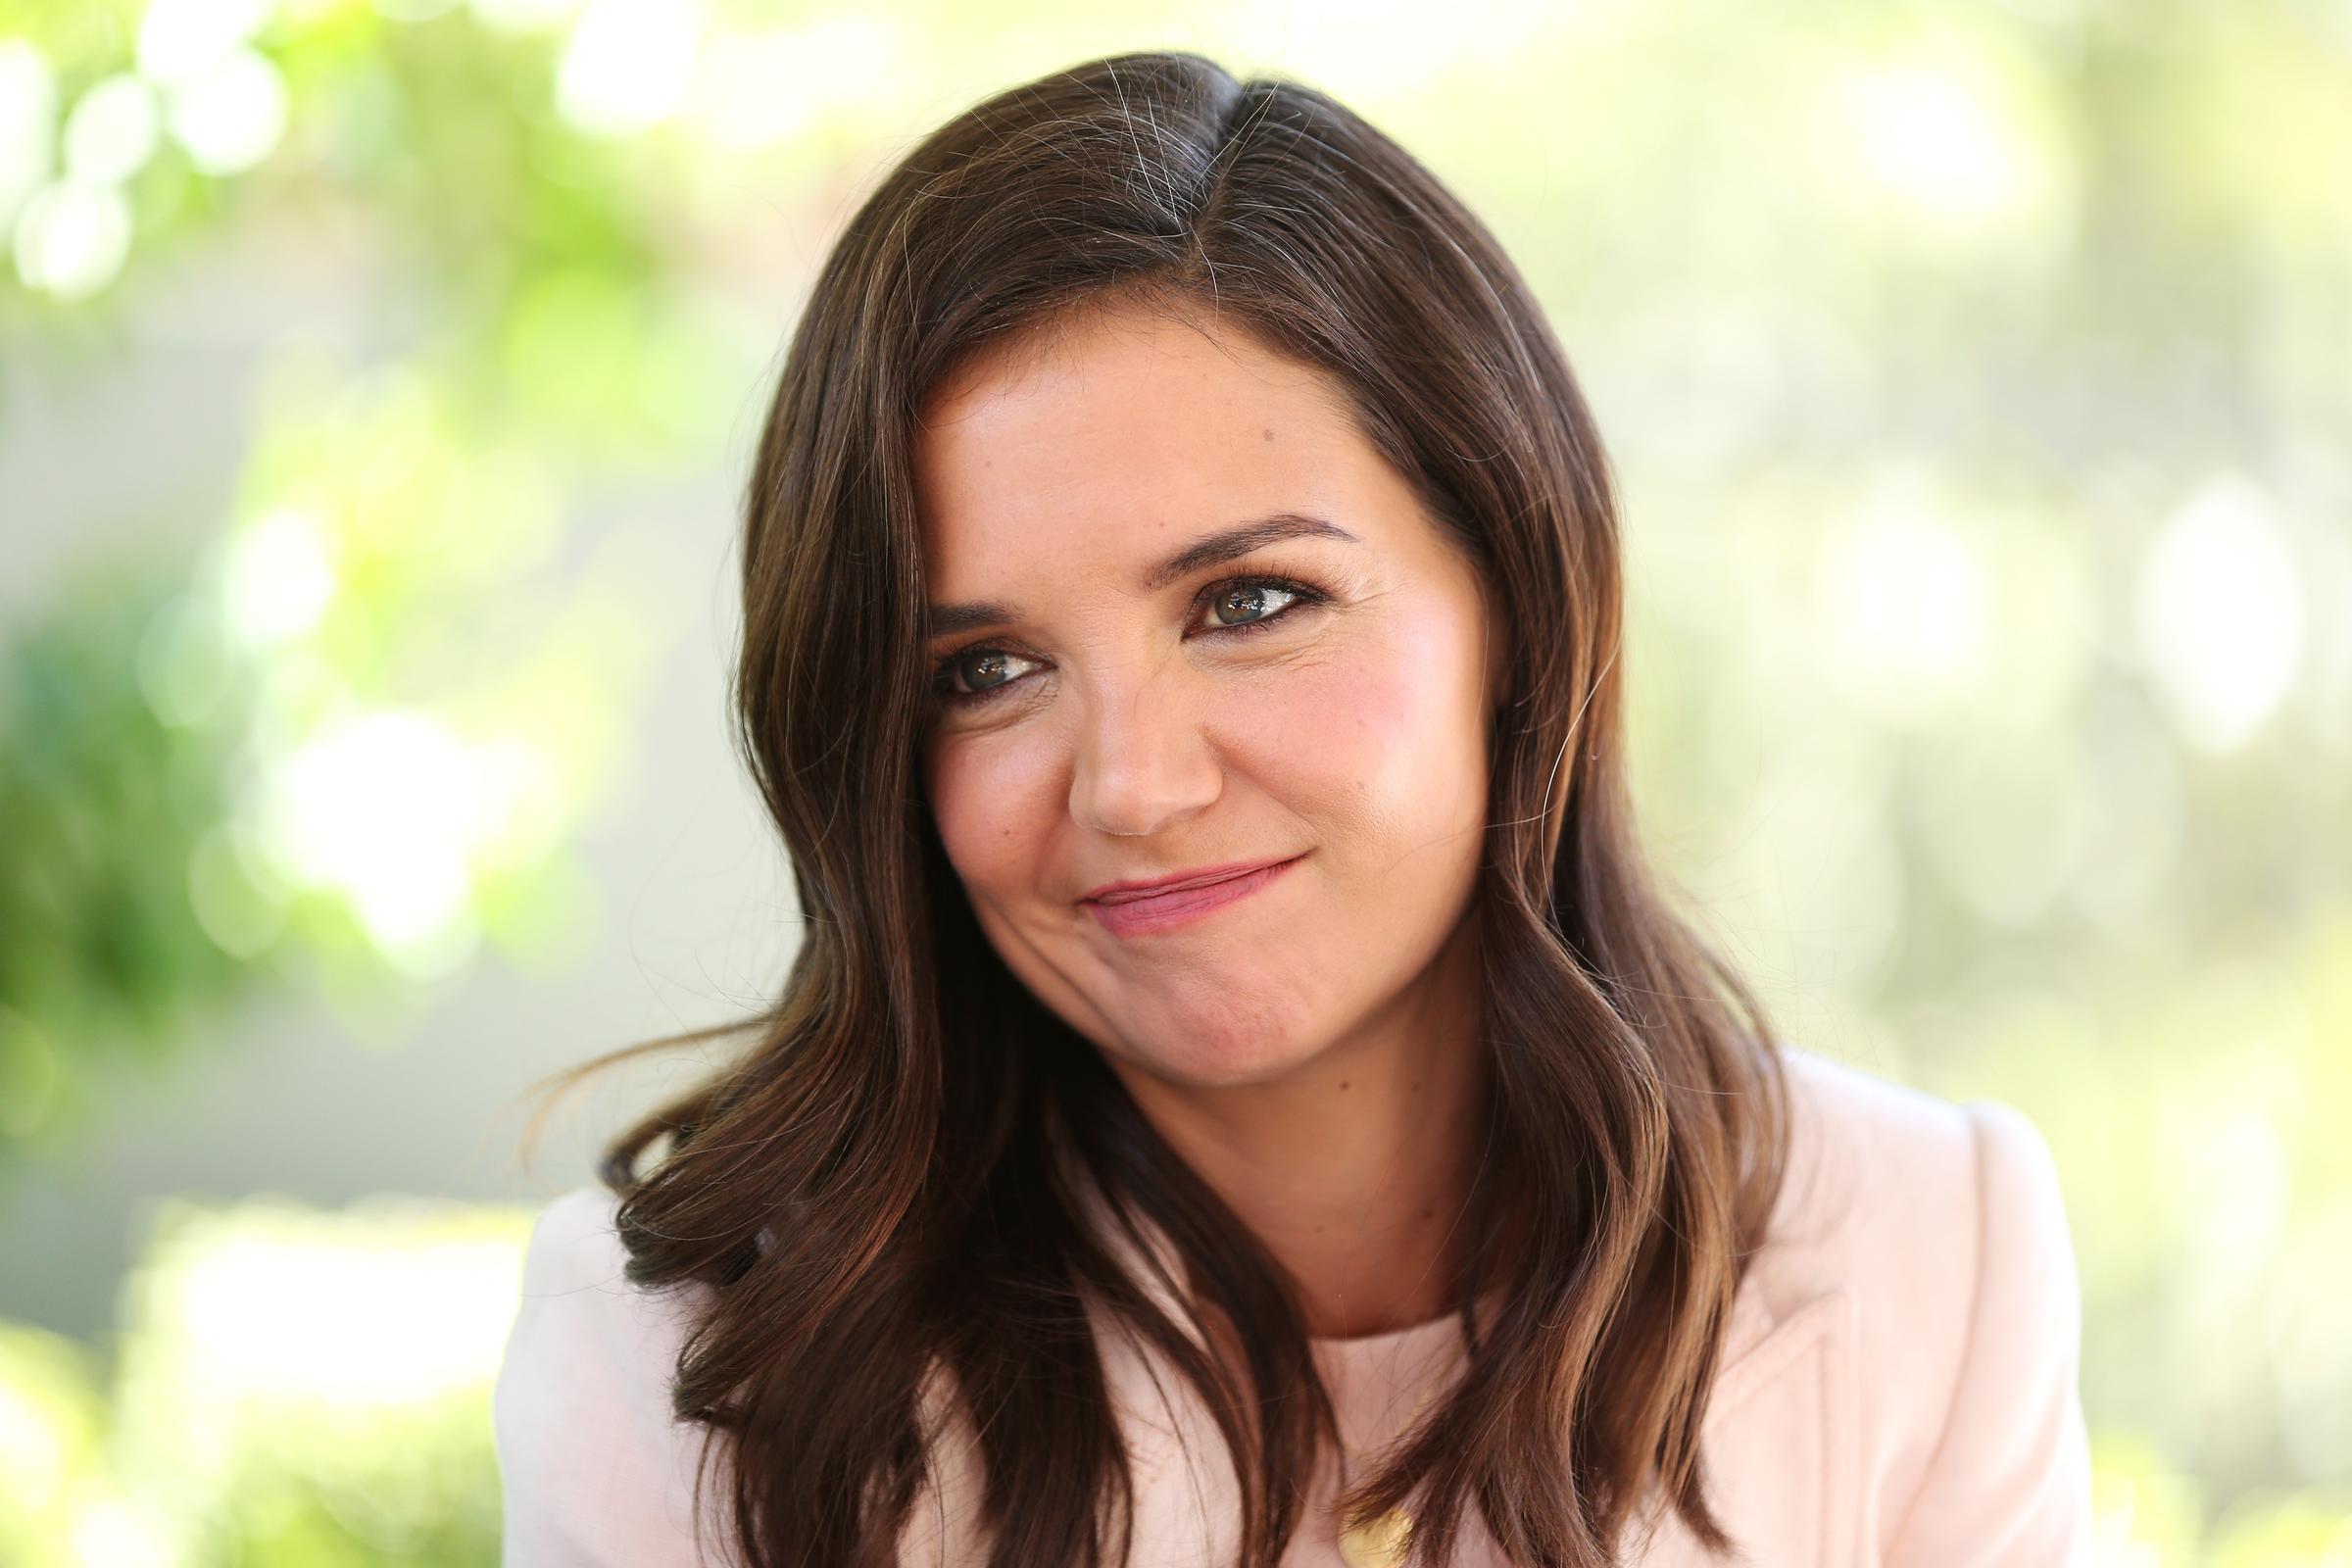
(1245, 599)
(984, 667)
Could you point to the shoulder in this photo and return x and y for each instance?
(1932, 1235)
(575, 1293)
(593, 1466)
(1897, 1189)
(574, 1243)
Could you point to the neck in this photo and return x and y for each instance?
(1355, 1168)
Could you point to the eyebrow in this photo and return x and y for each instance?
(1210, 550)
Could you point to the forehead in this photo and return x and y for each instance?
(1116, 433)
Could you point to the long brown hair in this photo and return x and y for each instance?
(867, 1193)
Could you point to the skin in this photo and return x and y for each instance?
(1311, 1050)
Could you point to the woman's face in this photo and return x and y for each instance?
(1121, 698)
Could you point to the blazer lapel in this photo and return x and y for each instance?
(1780, 1442)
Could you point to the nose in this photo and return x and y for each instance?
(1143, 761)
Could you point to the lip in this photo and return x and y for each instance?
(1150, 887)
(1129, 908)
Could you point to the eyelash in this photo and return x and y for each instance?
(1302, 595)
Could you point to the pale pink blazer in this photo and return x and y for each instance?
(1898, 1384)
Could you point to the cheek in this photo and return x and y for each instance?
(984, 800)
(1385, 736)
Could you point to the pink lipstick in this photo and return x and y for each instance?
(1133, 911)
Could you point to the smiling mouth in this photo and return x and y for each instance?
(1137, 913)
(1129, 892)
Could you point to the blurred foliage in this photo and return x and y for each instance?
(290, 1389)
(350, 743)
(1977, 377)
(101, 952)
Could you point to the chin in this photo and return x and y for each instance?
(1219, 1048)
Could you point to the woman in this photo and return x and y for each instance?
(1241, 1097)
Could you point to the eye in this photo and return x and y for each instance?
(1248, 599)
(984, 668)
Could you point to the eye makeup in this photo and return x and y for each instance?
(1301, 595)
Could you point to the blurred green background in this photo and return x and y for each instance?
(376, 381)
